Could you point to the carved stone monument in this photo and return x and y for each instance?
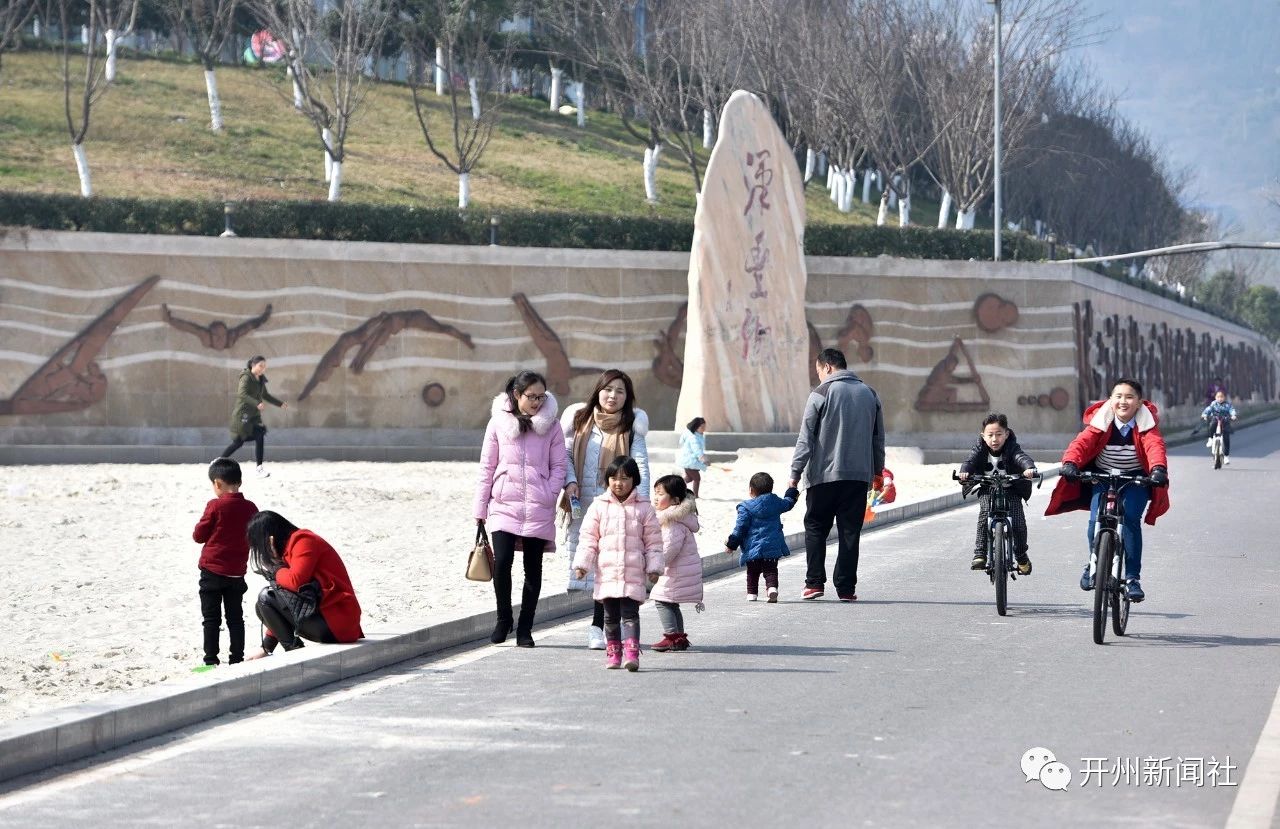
(746, 353)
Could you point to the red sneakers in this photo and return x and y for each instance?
(682, 643)
(812, 593)
(848, 597)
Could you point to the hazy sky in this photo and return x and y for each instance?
(1202, 79)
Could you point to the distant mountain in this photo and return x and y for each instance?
(1202, 78)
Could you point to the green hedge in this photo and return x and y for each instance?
(346, 221)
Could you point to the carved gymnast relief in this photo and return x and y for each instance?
(216, 335)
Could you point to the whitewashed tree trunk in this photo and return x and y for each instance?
(944, 210)
(834, 184)
(110, 72)
(439, 70)
(556, 75)
(464, 189)
(335, 181)
(810, 161)
(297, 90)
(964, 218)
(904, 211)
(838, 186)
(882, 215)
(830, 173)
(1039, 229)
(708, 129)
(850, 186)
(84, 34)
(327, 134)
(651, 155)
(35, 28)
(582, 104)
(473, 85)
(868, 175)
(822, 163)
(215, 103)
(82, 169)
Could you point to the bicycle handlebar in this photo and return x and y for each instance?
(1122, 478)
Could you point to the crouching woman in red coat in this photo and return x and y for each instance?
(300, 561)
(1120, 433)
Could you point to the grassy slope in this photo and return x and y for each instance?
(149, 136)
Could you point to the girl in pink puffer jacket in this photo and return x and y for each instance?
(681, 579)
(621, 544)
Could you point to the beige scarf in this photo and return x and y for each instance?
(613, 443)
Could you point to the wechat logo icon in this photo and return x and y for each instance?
(1042, 764)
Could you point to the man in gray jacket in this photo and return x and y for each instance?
(840, 449)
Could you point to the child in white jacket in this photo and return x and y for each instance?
(621, 544)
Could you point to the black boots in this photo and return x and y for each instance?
(500, 631)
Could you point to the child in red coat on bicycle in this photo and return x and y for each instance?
(1120, 433)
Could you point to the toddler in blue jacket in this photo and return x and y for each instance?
(758, 532)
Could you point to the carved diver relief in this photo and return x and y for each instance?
(71, 380)
(217, 334)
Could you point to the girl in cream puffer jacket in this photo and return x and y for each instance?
(621, 544)
(681, 579)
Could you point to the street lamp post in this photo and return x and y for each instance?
(999, 219)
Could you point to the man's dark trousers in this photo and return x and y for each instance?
(845, 504)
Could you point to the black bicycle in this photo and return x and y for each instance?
(1001, 565)
(1107, 557)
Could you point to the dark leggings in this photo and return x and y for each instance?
(597, 615)
(259, 434)
(1017, 517)
(767, 567)
(694, 478)
(626, 610)
(282, 629)
(504, 556)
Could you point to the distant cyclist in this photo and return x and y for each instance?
(1120, 433)
(1222, 410)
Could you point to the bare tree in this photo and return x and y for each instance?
(92, 82)
(330, 50)
(641, 53)
(14, 15)
(207, 24)
(464, 33)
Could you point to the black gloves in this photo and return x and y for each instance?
(1159, 476)
(1069, 471)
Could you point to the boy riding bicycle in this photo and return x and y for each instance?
(1221, 410)
(997, 448)
(1120, 433)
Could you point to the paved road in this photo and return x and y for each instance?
(912, 707)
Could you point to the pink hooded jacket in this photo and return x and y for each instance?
(521, 475)
(681, 580)
(621, 543)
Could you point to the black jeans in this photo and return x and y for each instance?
(621, 619)
(283, 629)
(219, 594)
(259, 433)
(845, 504)
(504, 556)
(1017, 517)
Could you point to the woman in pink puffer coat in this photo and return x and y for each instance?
(681, 579)
(522, 470)
(621, 544)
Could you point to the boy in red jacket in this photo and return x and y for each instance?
(1121, 433)
(224, 559)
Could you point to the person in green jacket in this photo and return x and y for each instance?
(246, 418)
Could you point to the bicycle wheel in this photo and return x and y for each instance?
(999, 544)
(1120, 600)
(1104, 548)
(1217, 453)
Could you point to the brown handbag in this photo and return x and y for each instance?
(480, 562)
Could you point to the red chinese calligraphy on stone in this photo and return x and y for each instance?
(762, 176)
(753, 337)
(757, 261)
